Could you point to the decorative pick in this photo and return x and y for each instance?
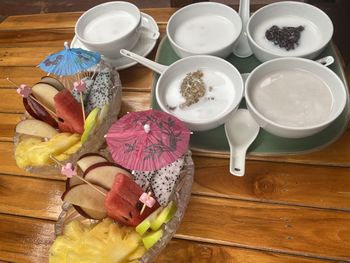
(26, 92)
(69, 171)
(80, 86)
(147, 200)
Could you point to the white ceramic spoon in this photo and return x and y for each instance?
(241, 130)
(242, 48)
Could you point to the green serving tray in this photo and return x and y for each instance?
(214, 141)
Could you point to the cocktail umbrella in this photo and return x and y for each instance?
(69, 61)
(147, 140)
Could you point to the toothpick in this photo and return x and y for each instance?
(82, 106)
(53, 114)
(79, 177)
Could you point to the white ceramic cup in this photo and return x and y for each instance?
(111, 26)
(205, 28)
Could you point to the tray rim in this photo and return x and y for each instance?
(226, 154)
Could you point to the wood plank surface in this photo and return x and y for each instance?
(25, 239)
(32, 197)
(285, 209)
(302, 185)
(28, 240)
(280, 228)
(198, 252)
(7, 125)
(324, 187)
(291, 229)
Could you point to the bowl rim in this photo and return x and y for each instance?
(341, 85)
(102, 5)
(305, 54)
(193, 52)
(239, 92)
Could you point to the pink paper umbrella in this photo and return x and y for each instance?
(147, 140)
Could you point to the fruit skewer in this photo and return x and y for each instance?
(53, 114)
(69, 171)
(80, 86)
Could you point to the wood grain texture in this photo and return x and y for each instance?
(281, 211)
(35, 38)
(30, 197)
(280, 228)
(324, 187)
(27, 240)
(7, 125)
(304, 185)
(290, 229)
(198, 252)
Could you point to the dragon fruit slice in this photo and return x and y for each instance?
(101, 91)
(161, 182)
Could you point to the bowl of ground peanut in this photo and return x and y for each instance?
(200, 90)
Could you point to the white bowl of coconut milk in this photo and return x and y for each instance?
(200, 90)
(316, 34)
(294, 97)
(109, 27)
(205, 28)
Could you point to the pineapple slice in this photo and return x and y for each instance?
(65, 155)
(34, 152)
(74, 230)
(137, 254)
(105, 242)
(63, 141)
(122, 242)
(21, 153)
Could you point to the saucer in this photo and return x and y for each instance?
(143, 46)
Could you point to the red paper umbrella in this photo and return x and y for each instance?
(147, 140)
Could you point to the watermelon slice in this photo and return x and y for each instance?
(69, 110)
(122, 202)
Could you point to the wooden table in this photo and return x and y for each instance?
(285, 209)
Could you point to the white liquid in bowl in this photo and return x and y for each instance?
(310, 37)
(109, 26)
(204, 34)
(294, 98)
(206, 108)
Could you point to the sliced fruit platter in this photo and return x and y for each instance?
(62, 121)
(104, 219)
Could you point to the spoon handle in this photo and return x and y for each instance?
(237, 162)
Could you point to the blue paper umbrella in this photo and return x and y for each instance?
(69, 61)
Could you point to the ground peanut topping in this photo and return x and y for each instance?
(192, 88)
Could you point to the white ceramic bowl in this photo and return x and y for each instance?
(227, 91)
(205, 28)
(298, 102)
(109, 27)
(316, 35)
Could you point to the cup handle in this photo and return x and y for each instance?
(148, 33)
